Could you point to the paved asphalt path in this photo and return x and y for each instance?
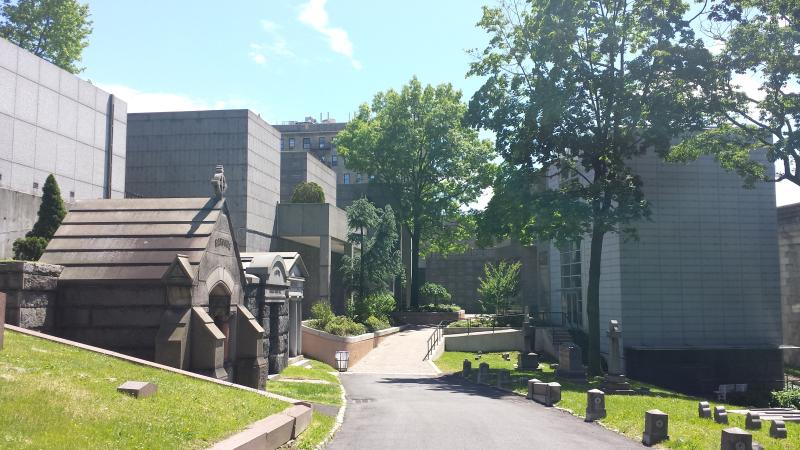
(424, 412)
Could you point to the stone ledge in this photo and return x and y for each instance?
(353, 339)
(272, 432)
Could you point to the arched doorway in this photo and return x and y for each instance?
(219, 308)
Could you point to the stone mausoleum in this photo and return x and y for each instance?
(160, 279)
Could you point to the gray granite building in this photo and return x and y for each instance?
(789, 249)
(697, 294)
(53, 122)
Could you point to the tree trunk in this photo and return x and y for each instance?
(593, 300)
(415, 275)
(361, 269)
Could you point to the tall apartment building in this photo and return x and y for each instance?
(317, 138)
(53, 122)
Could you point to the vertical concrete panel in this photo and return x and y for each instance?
(8, 55)
(8, 89)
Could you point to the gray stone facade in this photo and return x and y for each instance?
(298, 167)
(789, 250)
(702, 277)
(53, 122)
(169, 155)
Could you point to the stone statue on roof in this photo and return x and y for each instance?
(218, 182)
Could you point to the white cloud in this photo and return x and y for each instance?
(314, 15)
(257, 55)
(275, 48)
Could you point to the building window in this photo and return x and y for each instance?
(346, 178)
(334, 160)
(571, 286)
(306, 143)
(322, 142)
(358, 178)
(291, 143)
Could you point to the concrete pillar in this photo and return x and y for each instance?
(325, 269)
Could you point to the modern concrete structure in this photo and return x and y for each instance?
(789, 250)
(248, 148)
(51, 121)
(697, 295)
(461, 273)
(159, 143)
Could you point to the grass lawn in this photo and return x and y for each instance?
(56, 396)
(626, 412)
(329, 394)
(315, 433)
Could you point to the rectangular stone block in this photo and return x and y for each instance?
(301, 414)
(547, 393)
(138, 389)
(531, 383)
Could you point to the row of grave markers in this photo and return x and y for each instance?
(656, 422)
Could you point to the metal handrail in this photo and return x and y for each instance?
(434, 339)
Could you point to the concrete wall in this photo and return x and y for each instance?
(18, 213)
(499, 341)
(460, 273)
(196, 141)
(51, 121)
(323, 346)
(789, 250)
(300, 166)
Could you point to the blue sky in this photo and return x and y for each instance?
(285, 59)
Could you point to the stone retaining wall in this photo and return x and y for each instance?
(486, 341)
(30, 290)
(426, 318)
(323, 346)
(463, 330)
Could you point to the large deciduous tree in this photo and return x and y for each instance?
(759, 42)
(425, 160)
(55, 30)
(574, 90)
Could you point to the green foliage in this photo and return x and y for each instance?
(759, 40)
(29, 248)
(377, 261)
(573, 91)
(434, 293)
(344, 326)
(55, 30)
(787, 398)
(378, 305)
(499, 286)
(477, 321)
(51, 213)
(308, 192)
(425, 160)
(439, 308)
(374, 324)
(322, 313)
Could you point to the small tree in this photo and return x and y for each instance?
(308, 192)
(51, 213)
(499, 286)
(55, 30)
(434, 293)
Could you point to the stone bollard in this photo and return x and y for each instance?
(467, 368)
(736, 439)
(720, 415)
(483, 373)
(531, 382)
(595, 405)
(503, 378)
(656, 427)
(778, 429)
(703, 410)
(547, 394)
(752, 421)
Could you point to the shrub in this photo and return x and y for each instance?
(439, 308)
(374, 324)
(308, 192)
(787, 398)
(322, 314)
(478, 321)
(434, 293)
(29, 248)
(344, 326)
(378, 306)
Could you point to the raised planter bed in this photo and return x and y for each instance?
(427, 318)
(323, 346)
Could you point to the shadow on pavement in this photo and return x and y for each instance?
(450, 383)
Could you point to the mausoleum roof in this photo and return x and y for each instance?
(132, 239)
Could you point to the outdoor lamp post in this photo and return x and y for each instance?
(342, 359)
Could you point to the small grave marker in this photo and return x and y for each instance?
(720, 414)
(595, 405)
(703, 410)
(736, 439)
(138, 389)
(656, 427)
(467, 368)
(778, 429)
(531, 382)
(752, 421)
